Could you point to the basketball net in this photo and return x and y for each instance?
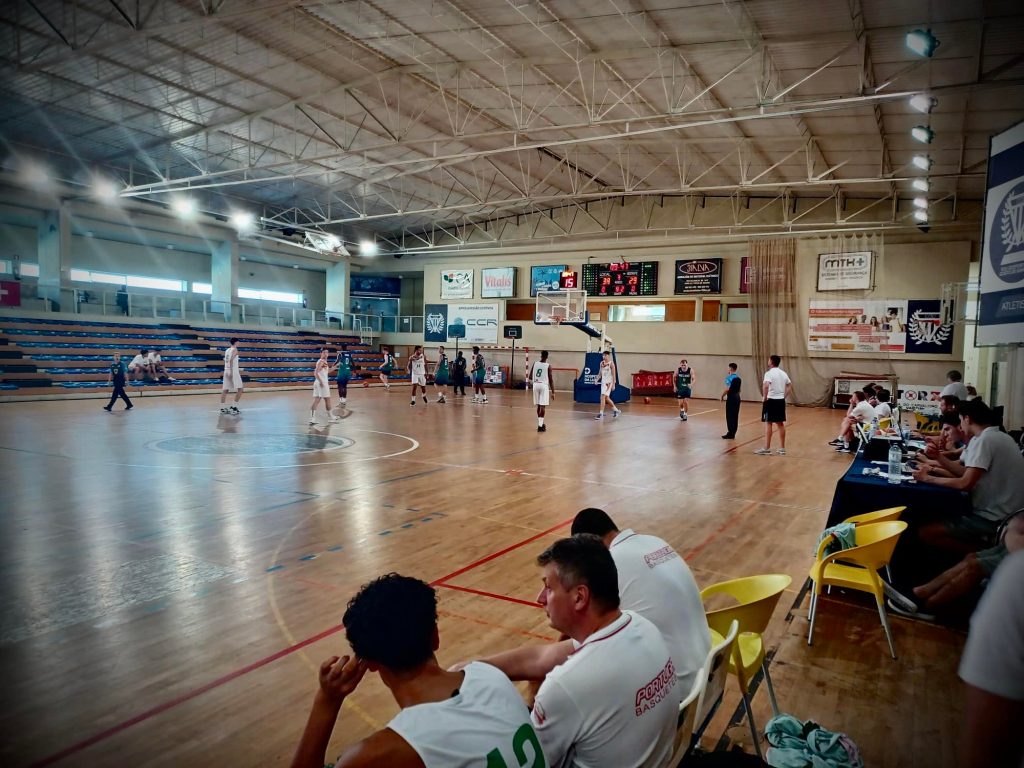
(556, 320)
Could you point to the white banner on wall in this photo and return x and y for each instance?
(845, 271)
(919, 397)
(498, 283)
(479, 320)
(878, 325)
(456, 283)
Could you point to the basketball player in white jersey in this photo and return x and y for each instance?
(606, 379)
(417, 367)
(543, 388)
(322, 387)
(467, 719)
(232, 379)
(610, 696)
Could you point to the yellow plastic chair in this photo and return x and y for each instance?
(757, 597)
(884, 424)
(880, 516)
(858, 569)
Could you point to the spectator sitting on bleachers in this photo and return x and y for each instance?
(992, 471)
(157, 364)
(859, 412)
(140, 367)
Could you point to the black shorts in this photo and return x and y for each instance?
(775, 411)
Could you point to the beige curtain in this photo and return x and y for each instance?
(779, 319)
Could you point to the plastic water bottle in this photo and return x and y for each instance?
(874, 426)
(895, 460)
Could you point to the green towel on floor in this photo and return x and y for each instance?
(796, 744)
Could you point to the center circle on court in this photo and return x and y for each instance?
(251, 444)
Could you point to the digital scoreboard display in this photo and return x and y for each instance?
(621, 279)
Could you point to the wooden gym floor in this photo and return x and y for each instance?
(172, 577)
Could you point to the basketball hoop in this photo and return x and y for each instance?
(555, 320)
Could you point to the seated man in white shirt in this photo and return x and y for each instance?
(859, 412)
(610, 696)
(655, 582)
(883, 410)
(140, 367)
(462, 719)
(955, 387)
(157, 364)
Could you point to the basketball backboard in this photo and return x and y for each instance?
(556, 307)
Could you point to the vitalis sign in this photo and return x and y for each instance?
(498, 283)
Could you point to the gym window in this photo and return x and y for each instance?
(646, 313)
(130, 281)
(280, 296)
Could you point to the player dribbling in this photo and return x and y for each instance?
(606, 379)
(441, 374)
(543, 388)
(386, 368)
(343, 364)
(684, 386)
(417, 367)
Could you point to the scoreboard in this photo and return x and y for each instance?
(621, 279)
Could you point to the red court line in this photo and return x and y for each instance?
(160, 708)
(495, 555)
(491, 594)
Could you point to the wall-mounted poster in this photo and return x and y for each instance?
(435, 323)
(498, 283)
(457, 284)
(699, 276)
(845, 271)
(878, 325)
(775, 281)
(545, 278)
(479, 320)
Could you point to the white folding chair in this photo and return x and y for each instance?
(715, 672)
(688, 718)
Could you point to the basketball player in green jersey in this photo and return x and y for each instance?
(343, 363)
(684, 383)
(441, 374)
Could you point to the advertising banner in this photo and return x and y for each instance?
(457, 284)
(878, 325)
(845, 271)
(775, 279)
(498, 283)
(921, 398)
(545, 278)
(1001, 294)
(479, 320)
(699, 276)
(435, 323)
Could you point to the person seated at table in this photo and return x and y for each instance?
(860, 412)
(992, 472)
(871, 393)
(883, 410)
(157, 364)
(949, 404)
(942, 454)
(972, 393)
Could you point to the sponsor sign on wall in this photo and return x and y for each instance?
(699, 276)
(545, 278)
(774, 279)
(921, 398)
(1001, 295)
(435, 323)
(479, 320)
(845, 271)
(878, 325)
(457, 284)
(498, 283)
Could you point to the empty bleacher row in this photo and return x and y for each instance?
(52, 356)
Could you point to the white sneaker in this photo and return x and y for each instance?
(781, 452)
(763, 451)
(615, 413)
(334, 418)
(599, 417)
(225, 410)
(312, 419)
(441, 399)
(484, 400)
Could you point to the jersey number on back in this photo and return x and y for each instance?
(525, 735)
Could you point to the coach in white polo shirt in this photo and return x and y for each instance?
(612, 701)
(655, 582)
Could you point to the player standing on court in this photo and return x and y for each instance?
(321, 386)
(232, 379)
(479, 396)
(606, 378)
(417, 367)
(775, 387)
(387, 367)
(684, 381)
(343, 363)
(543, 388)
(441, 374)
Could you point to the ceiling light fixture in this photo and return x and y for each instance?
(924, 162)
(921, 202)
(922, 102)
(184, 206)
(921, 185)
(368, 248)
(922, 42)
(921, 214)
(922, 133)
(243, 220)
(104, 190)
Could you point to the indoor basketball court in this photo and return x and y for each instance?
(553, 251)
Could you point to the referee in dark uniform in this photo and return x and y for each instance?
(117, 378)
(731, 395)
